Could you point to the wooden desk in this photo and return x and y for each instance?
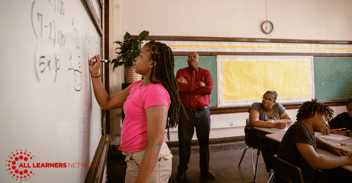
(271, 130)
(261, 131)
(332, 139)
(272, 147)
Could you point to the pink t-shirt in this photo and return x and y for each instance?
(134, 128)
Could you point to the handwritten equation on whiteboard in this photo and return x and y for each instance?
(62, 45)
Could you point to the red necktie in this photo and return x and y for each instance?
(194, 101)
(194, 76)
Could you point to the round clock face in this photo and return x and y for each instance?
(267, 27)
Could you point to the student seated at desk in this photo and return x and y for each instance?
(343, 120)
(299, 144)
(268, 114)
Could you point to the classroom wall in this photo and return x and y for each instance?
(292, 19)
(298, 19)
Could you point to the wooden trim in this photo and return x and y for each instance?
(237, 39)
(106, 24)
(92, 16)
(96, 173)
(256, 40)
(227, 110)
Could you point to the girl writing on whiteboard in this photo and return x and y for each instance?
(150, 105)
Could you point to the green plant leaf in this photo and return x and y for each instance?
(144, 34)
(129, 49)
(127, 36)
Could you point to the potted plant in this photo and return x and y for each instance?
(127, 52)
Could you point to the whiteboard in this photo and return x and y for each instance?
(47, 103)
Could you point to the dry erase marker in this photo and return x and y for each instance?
(106, 61)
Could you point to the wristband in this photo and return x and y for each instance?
(95, 76)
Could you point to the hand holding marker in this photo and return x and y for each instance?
(94, 68)
(106, 61)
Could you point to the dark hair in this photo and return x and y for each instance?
(309, 108)
(164, 71)
(348, 101)
(273, 93)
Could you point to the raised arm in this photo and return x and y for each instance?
(156, 122)
(254, 120)
(104, 100)
(321, 162)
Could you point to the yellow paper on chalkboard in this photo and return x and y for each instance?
(248, 80)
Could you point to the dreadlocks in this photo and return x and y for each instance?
(164, 71)
(309, 108)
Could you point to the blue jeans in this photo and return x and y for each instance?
(201, 121)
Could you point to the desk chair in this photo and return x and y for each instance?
(286, 172)
(252, 145)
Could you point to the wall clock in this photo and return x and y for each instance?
(267, 27)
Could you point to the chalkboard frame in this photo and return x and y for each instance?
(294, 105)
(93, 14)
(104, 34)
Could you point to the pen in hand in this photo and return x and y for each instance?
(337, 129)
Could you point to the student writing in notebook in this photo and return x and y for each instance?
(299, 145)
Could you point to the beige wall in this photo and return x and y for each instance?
(292, 19)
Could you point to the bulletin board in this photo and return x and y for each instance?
(243, 80)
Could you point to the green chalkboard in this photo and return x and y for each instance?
(333, 78)
(206, 62)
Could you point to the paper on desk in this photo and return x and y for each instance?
(333, 137)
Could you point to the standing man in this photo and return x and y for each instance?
(196, 84)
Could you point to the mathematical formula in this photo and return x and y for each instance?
(61, 46)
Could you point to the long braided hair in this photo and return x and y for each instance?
(309, 108)
(164, 71)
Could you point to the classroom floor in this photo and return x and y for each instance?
(224, 159)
